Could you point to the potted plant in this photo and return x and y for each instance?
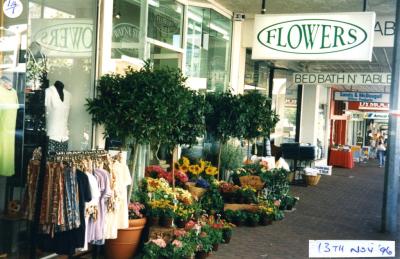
(221, 118)
(256, 116)
(148, 106)
(228, 191)
(212, 200)
(155, 248)
(153, 216)
(248, 194)
(252, 218)
(182, 216)
(235, 216)
(266, 214)
(167, 217)
(126, 244)
(227, 231)
(288, 202)
(204, 245)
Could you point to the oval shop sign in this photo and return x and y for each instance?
(320, 37)
(312, 36)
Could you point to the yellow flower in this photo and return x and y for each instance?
(197, 169)
(192, 169)
(203, 165)
(184, 168)
(211, 170)
(185, 161)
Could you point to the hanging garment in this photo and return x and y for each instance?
(66, 242)
(91, 209)
(118, 218)
(96, 228)
(8, 117)
(31, 189)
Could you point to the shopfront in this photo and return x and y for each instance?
(51, 54)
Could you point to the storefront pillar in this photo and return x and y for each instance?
(392, 169)
(235, 56)
(309, 111)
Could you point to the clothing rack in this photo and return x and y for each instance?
(56, 156)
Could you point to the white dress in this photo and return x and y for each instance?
(118, 218)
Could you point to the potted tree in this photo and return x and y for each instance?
(257, 118)
(147, 106)
(221, 115)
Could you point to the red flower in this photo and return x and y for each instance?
(190, 225)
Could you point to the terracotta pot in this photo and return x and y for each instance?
(126, 244)
(201, 255)
(215, 247)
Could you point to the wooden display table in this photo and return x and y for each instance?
(341, 158)
(237, 206)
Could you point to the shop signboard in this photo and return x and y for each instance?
(64, 37)
(361, 97)
(374, 79)
(367, 106)
(384, 31)
(325, 36)
(376, 116)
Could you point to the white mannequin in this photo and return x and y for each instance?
(57, 102)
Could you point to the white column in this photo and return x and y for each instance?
(309, 114)
(235, 55)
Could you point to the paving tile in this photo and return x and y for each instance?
(346, 205)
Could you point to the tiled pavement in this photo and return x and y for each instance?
(346, 205)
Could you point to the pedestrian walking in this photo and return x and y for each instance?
(381, 150)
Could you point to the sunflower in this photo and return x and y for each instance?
(184, 168)
(185, 161)
(197, 170)
(211, 170)
(192, 169)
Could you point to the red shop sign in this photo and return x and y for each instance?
(367, 106)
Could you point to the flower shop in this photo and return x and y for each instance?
(185, 206)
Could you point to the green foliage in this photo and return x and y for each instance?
(252, 216)
(231, 157)
(235, 216)
(149, 106)
(257, 119)
(212, 200)
(221, 115)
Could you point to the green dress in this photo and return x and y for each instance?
(8, 117)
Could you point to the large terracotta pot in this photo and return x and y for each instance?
(127, 242)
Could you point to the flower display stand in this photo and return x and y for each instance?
(236, 206)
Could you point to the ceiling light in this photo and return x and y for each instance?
(118, 15)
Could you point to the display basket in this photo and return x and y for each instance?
(253, 181)
(312, 180)
(197, 192)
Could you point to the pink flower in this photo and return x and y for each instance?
(179, 233)
(277, 203)
(160, 242)
(177, 243)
